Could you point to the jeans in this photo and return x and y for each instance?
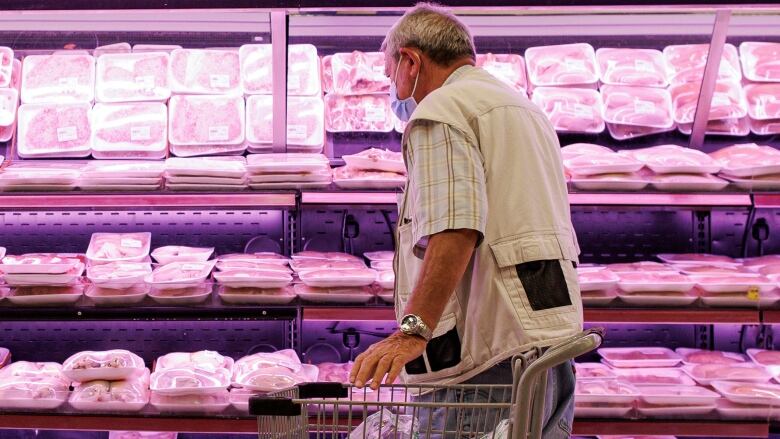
(558, 410)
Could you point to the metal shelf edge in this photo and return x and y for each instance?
(92, 422)
(645, 199)
(588, 427)
(111, 200)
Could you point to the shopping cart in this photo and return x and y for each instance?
(332, 410)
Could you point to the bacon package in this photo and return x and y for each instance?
(509, 68)
(704, 374)
(728, 101)
(674, 159)
(116, 247)
(54, 130)
(760, 61)
(205, 71)
(374, 159)
(303, 77)
(117, 364)
(763, 101)
(639, 357)
(126, 77)
(130, 395)
(567, 64)
(178, 275)
(637, 106)
(130, 131)
(206, 120)
(368, 113)
(571, 109)
(359, 73)
(66, 78)
(686, 62)
(748, 160)
(634, 67)
(179, 253)
(305, 123)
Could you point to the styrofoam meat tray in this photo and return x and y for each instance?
(256, 296)
(605, 391)
(659, 299)
(673, 411)
(314, 295)
(640, 357)
(10, 401)
(132, 295)
(46, 299)
(585, 410)
(594, 371)
(744, 412)
(749, 393)
(705, 374)
(21, 280)
(598, 298)
(721, 284)
(654, 376)
(677, 395)
(701, 356)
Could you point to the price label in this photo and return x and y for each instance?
(138, 134)
(219, 81)
(753, 294)
(643, 107)
(643, 65)
(191, 267)
(218, 133)
(67, 134)
(69, 81)
(583, 111)
(131, 243)
(297, 132)
(575, 64)
(375, 113)
(145, 82)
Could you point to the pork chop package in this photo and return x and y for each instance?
(700, 356)
(638, 106)
(114, 247)
(68, 78)
(205, 71)
(206, 120)
(763, 100)
(509, 68)
(760, 61)
(728, 101)
(686, 62)
(368, 113)
(566, 64)
(357, 73)
(116, 364)
(634, 67)
(571, 109)
(118, 275)
(303, 70)
(305, 123)
(129, 77)
(54, 130)
(130, 131)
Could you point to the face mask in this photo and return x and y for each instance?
(403, 108)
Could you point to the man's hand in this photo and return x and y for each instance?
(388, 356)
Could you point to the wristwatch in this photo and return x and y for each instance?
(413, 325)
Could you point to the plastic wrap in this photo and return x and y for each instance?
(96, 170)
(626, 132)
(763, 100)
(674, 396)
(760, 61)
(178, 253)
(333, 278)
(6, 66)
(7, 131)
(655, 282)
(359, 73)
(374, 159)
(509, 68)
(192, 380)
(289, 163)
(604, 392)
(130, 131)
(232, 167)
(738, 127)
(673, 159)
(655, 376)
(117, 364)
(303, 76)
(305, 122)
(40, 263)
(611, 182)
(765, 127)
(334, 295)
(686, 62)
(256, 296)
(46, 295)
(700, 356)
(252, 278)
(66, 78)
(126, 77)
(54, 130)
(640, 357)
(112, 396)
(266, 372)
(634, 67)
(697, 259)
(728, 101)
(603, 163)
(599, 280)
(577, 149)
(205, 71)
(637, 106)
(688, 182)
(567, 64)
(229, 260)
(347, 177)
(118, 247)
(206, 120)
(748, 160)
(574, 110)
(720, 284)
(35, 279)
(191, 404)
(386, 279)
(379, 255)
(366, 113)
(118, 295)
(177, 295)
(594, 371)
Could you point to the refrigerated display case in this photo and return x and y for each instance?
(204, 96)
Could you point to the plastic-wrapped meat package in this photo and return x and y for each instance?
(634, 67)
(178, 253)
(700, 356)
(7, 132)
(664, 401)
(639, 106)
(571, 109)
(40, 263)
(28, 279)
(39, 175)
(237, 259)
(359, 73)
(748, 160)
(306, 265)
(704, 374)
(338, 278)
(597, 280)
(9, 99)
(604, 391)
(370, 113)
(765, 127)
(567, 64)
(251, 264)
(332, 256)
(674, 159)
(716, 270)
(117, 364)
(760, 261)
(334, 372)
(130, 131)
(190, 292)
(749, 393)
(380, 256)
(728, 101)
(252, 278)
(347, 177)
(655, 282)
(178, 275)
(118, 274)
(696, 259)
(303, 78)
(117, 48)
(577, 149)
(305, 122)
(46, 295)
(58, 78)
(206, 120)
(593, 371)
(112, 396)
(267, 372)
(225, 167)
(192, 380)
(122, 169)
(334, 295)
(763, 100)
(738, 127)
(760, 61)
(387, 425)
(142, 48)
(374, 159)
(327, 73)
(640, 357)
(203, 359)
(192, 404)
(605, 163)
(6, 66)
(204, 71)
(54, 130)
(626, 132)
(287, 163)
(764, 358)
(642, 267)
(256, 296)
(113, 247)
(509, 68)
(720, 284)
(126, 77)
(33, 386)
(686, 62)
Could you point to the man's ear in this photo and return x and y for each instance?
(415, 57)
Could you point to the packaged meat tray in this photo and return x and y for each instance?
(178, 253)
(604, 163)
(7, 132)
(696, 259)
(117, 364)
(759, 61)
(132, 77)
(54, 130)
(193, 295)
(728, 410)
(291, 185)
(704, 374)
(763, 101)
(347, 177)
(509, 68)
(127, 295)
(130, 131)
(191, 404)
(667, 412)
(32, 280)
(328, 256)
(41, 263)
(334, 372)
(374, 159)
(599, 297)
(655, 282)
(748, 160)
(208, 150)
(358, 73)
(275, 378)
(58, 78)
(764, 358)
(193, 380)
(678, 395)
(641, 106)
(334, 295)
(688, 182)
(324, 176)
(389, 255)
(626, 132)
(332, 278)
(46, 295)
(728, 101)
(118, 274)
(239, 260)
(252, 278)
(674, 159)
(5, 357)
(386, 279)
(594, 371)
(588, 149)
(118, 247)
(305, 122)
(362, 113)
(605, 391)
(205, 359)
(758, 262)
(700, 356)
(256, 296)
(232, 167)
(610, 182)
(204, 181)
(749, 393)
(122, 169)
(19, 394)
(286, 163)
(659, 299)
(177, 275)
(634, 67)
(654, 376)
(602, 410)
(761, 183)
(720, 284)
(705, 269)
(597, 280)
(574, 110)
(738, 127)
(204, 71)
(765, 127)
(685, 63)
(206, 120)
(112, 396)
(6, 66)
(566, 64)
(112, 48)
(640, 357)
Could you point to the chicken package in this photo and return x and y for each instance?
(306, 265)
(303, 71)
(605, 391)
(286, 358)
(179, 253)
(728, 101)
(6, 66)
(749, 393)
(117, 364)
(748, 160)
(578, 149)
(8, 131)
(566, 64)
(597, 280)
(130, 131)
(203, 359)
(237, 260)
(54, 130)
(286, 163)
(368, 113)
(704, 374)
(252, 278)
(639, 106)
(338, 278)
(765, 127)
(760, 61)
(763, 100)
(98, 170)
(575, 110)
(594, 371)
(640, 357)
(634, 67)
(674, 159)
(374, 159)
(701, 356)
(206, 120)
(359, 73)
(35, 279)
(112, 49)
(130, 395)
(603, 163)
(142, 48)
(131, 77)
(334, 295)
(66, 78)
(177, 275)
(232, 167)
(275, 378)
(509, 68)
(118, 247)
(305, 122)
(191, 380)
(191, 404)
(35, 372)
(626, 132)
(47, 295)
(32, 391)
(41, 263)
(733, 127)
(334, 372)
(347, 177)
(764, 358)
(205, 71)
(685, 63)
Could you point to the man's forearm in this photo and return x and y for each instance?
(446, 258)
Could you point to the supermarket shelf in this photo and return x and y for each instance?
(341, 197)
(766, 200)
(75, 200)
(588, 427)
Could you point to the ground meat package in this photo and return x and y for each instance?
(54, 130)
(359, 73)
(634, 67)
(130, 131)
(67, 78)
(303, 76)
(571, 109)
(126, 77)
(369, 113)
(509, 68)
(567, 64)
(305, 123)
(760, 61)
(205, 71)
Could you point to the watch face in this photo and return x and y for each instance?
(409, 323)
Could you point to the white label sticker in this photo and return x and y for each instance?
(219, 81)
(131, 243)
(145, 82)
(297, 132)
(67, 134)
(643, 107)
(643, 65)
(375, 113)
(69, 81)
(218, 133)
(575, 64)
(140, 133)
(191, 267)
(583, 111)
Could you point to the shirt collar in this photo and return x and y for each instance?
(460, 71)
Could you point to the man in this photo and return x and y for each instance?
(486, 253)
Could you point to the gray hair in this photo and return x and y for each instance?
(436, 31)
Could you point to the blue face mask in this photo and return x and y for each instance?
(403, 108)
